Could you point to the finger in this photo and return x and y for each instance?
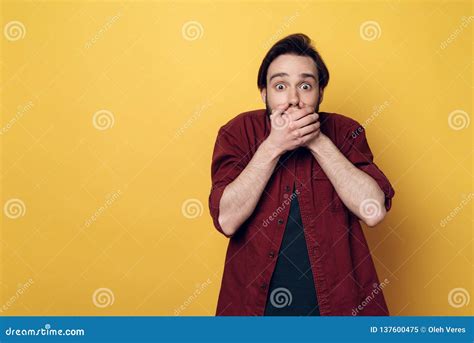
(310, 136)
(300, 113)
(280, 109)
(308, 129)
(306, 120)
(292, 109)
(279, 122)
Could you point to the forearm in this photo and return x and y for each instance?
(357, 190)
(241, 196)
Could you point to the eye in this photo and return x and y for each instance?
(307, 85)
(279, 86)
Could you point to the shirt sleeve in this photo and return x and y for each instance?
(228, 160)
(356, 148)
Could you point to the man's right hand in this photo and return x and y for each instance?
(292, 128)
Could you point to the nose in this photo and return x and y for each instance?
(293, 98)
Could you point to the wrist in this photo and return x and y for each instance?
(270, 150)
(317, 145)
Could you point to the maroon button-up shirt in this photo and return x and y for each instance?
(343, 271)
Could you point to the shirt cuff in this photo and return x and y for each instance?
(382, 181)
(214, 202)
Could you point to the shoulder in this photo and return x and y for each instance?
(243, 132)
(245, 119)
(338, 121)
(341, 129)
(247, 128)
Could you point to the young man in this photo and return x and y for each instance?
(289, 186)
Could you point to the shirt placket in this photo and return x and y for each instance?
(285, 189)
(303, 173)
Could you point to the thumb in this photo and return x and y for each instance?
(278, 119)
(279, 110)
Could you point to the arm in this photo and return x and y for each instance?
(359, 191)
(241, 196)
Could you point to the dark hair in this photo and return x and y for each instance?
(296, 44)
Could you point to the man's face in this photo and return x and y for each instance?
(294, 80)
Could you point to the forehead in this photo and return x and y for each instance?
(292, 65)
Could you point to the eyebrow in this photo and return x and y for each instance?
(303, 75)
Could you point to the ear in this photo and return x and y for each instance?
(263, 93)
(321, 95)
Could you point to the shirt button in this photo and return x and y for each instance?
(271, 254)
(263, 286)
(280, 221)
(287, 188)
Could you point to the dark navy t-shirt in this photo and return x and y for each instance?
(292, 291)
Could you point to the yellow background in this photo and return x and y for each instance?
(169, 92)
